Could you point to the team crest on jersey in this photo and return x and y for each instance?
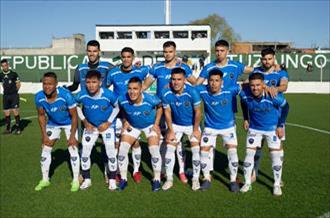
(186, 103)
(224, 102)
(62, 108)
(251, 140)
(273, 82)
(146, 113)
(87, 138)
(103, 108)
(205, 139)
(231, 75)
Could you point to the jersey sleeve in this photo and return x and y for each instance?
(187, 69)
(16, 77)
(165, 100)
(145, 71)
(243, 95)
(284, 75)
(70, 100)
(204, 73)
(240, 68)
(1, 77)
(235, 90)
(37, 101)
(113, 99)
(279, 101)
(154, 100)
(109, 78)
(196, 99)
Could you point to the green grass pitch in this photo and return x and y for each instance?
(306, 176)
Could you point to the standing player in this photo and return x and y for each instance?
(93, 53)
(60, 107)
(118, 77)
(276, 82)
(231, 71)
(219, 120)
(183, 114)
(142, 113)
(11, 84)
(264, 122)
(161, 73)
(100, 108)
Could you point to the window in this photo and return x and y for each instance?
(198, 34)
(106, 35)
(162, 34)
(180, 34)
(143, 35)
(124, 35)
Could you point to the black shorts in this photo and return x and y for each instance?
(11, 101)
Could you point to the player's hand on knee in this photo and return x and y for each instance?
(197, 134)
(72, 141)
(46, 141)
(89, 127)
(170, 137)
(104, 126)
(246, 125)
(156, 129)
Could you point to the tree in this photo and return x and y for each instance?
(219, 28)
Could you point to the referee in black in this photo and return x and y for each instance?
(11, 84)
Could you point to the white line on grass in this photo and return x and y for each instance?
(289, 124)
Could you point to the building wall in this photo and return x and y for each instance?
(60, 46)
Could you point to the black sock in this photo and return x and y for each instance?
(17, 119)
(8, 122)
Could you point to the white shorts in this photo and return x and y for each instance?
(54, 132)
(254, 138)
(187, 130)
(108, 136)
(135, 132)
(209, 137)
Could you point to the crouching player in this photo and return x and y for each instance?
(141, 113)
(219, 120)
(60, 107)
(181, 104)
(99, 109)
(262, 120)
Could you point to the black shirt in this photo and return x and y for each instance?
(9, 80)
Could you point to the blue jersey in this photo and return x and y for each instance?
(182, 106)
(272, 78)
(97, 109)
(142, 115)
(163, 75)
(58, 110)
(231, 72)
(119, 79)
(263, 112)
(82, 70)
(218, 112)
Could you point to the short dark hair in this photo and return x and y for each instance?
(169, 44)
(4, 61)
(93, 73)
(50, 74)
(267, 51)
(255, 76)
(135, 80)
(222, 42)
(94, 43)
(215, 72)
(127, 49)
(178, 70)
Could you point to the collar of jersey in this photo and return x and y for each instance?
(6, 73)
(141, 101)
